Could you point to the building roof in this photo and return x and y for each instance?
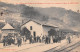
(7, 26)
(49, 26)
(66, 30)
(29, 21)
(33, 21)
(40, 24)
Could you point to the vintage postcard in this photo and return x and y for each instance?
(39, 25)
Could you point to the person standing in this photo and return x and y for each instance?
(4, 41)
(69, 40)
(30, 39)
(49, 40)
(19, 41)
(43, 39)
(35, 39)
(46, 41)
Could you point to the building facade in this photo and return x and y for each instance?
(36, 28)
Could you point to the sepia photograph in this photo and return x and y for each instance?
(39, 25)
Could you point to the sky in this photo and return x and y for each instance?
(67, 4)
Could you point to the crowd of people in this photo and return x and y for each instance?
(43, 39)
(8, 40)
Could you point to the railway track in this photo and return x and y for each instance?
(64, 48)
(68, 49)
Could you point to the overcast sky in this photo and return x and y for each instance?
(46, 3)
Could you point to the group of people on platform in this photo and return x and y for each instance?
(7, 40)
(43, 39)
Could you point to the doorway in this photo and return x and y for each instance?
(34, 34)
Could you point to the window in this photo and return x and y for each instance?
(30, 27)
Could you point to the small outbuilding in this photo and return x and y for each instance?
(8, 30)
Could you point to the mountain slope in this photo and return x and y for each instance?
(54, 16)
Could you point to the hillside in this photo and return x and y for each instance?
(54, 16)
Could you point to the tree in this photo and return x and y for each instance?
(52, 32)
(25, 32)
